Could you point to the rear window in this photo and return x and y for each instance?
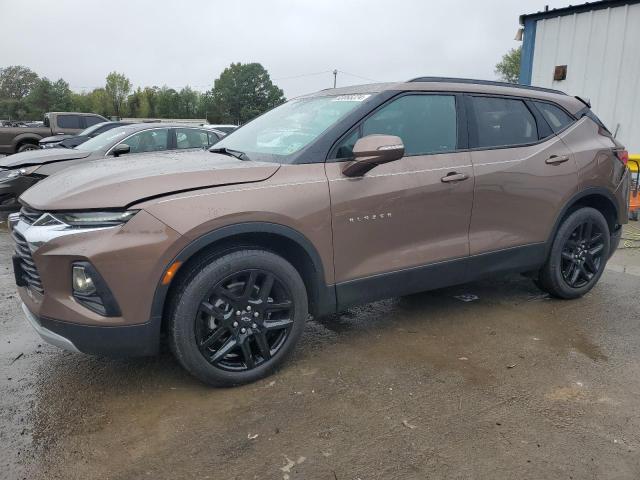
(69, 121)
(557, 118)
(90, 121)
(586, 112)
(502, 122)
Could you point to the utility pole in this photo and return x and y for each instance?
(335, 76)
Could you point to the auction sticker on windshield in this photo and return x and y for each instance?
(351, 98)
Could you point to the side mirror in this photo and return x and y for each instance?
(371, 151)
(121, 149)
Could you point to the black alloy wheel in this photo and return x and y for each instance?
(582, 254)
(578, 254)
(235, 317)
(244, 320)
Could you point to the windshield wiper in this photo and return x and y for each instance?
(232, 153)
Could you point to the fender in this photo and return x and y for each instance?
(25, 136)
(603, 192)
(326, 296)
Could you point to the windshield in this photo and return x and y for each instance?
(105, 139)
(88, 131)
(278, 134)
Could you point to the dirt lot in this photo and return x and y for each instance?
(512, 385)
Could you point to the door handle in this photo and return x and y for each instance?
(557, 159)
(454, 177)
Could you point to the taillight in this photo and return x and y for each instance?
(623, 156)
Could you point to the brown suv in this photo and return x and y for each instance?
(333, 199)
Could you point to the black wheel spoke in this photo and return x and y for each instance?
(590, 264)
(567, 256)
(575, 275)
(263, 345)
(212, 310)
(224, 350)
(249, 286)
(274, 307)
(226, 295)
(278, 324)
(265, 289)
(595, 251)
(246, 353)
(214, 337)
(588, 229)
(595, 239)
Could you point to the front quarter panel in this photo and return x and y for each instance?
(297, 196)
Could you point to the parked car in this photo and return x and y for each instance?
(227, 129)
(362, 193)
(23, 138)
(72, 141)
(21, 171)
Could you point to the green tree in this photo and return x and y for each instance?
(189, 100)
(117, 89)
(16, 82)
(244, 91)
(167, 103)
(509, 67)
(62, 96)
(40, 98)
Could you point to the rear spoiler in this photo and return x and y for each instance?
(586, 101)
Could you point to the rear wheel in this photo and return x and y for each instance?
(236, 318)
(578, 255)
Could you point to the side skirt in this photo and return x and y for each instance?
(439, 275)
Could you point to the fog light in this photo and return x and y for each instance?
(82, 281)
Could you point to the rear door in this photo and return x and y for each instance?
(524, 174)
(403, 214)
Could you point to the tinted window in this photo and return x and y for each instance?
(69, 121)
(89, 121)
(191, 138)
(425, 123)
(148, 141)
(226, 129)
(213, 138)
(555, 116)
(503, 121)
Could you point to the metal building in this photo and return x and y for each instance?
(593, 51)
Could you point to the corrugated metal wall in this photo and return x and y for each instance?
(601, 49)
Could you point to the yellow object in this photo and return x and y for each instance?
(633, 166)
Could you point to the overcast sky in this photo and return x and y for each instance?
(189, 42)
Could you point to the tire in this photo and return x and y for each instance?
(230, 324)
(27, 146)
(578, 255)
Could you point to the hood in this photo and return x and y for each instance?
(120, 182)
(53, 138)
(40, 157)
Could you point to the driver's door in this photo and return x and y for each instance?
(396, 227)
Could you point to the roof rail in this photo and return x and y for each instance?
(484, 82)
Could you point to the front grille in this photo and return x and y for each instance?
(29, 271)
(29, 215)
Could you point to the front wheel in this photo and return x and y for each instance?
(578, 255)
(236, 318)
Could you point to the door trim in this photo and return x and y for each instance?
(440, 274)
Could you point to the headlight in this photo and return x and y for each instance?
(49, 145)
(18, 172)
(88, 219)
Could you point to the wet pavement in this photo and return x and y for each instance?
(509, 385)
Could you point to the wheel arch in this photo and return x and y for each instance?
(598, 198)
(282, 240)
(21, 139)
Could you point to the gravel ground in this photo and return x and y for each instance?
(510, 385)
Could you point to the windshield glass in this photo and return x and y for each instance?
(105, 139)
(91, 129)
(278, 134)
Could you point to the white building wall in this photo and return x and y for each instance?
(601, 49)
